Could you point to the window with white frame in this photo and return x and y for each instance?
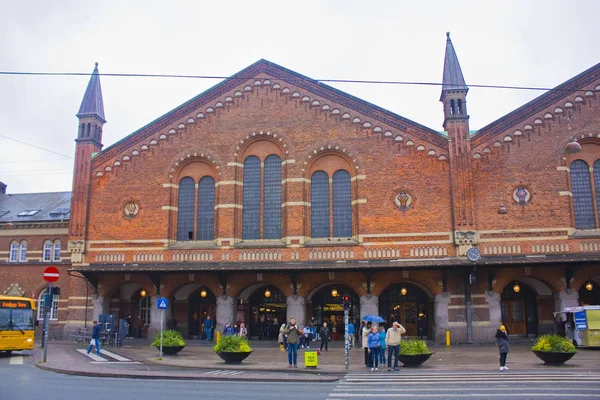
(23, 251)
(56, 251)
(14, 252)
(53, 315)
(47, 251)
(145, 308)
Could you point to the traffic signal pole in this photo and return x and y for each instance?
(346, 339)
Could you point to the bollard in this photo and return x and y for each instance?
(218, 337)
(447, 337)
(281, 346)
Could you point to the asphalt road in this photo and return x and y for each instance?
(21, 380)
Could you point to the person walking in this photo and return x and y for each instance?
(374, 346)
(208, 324)
(365, 342)
(502, 342)
(243, 333)
(392, 342)
(324, 333)
(351, 334)
(382, 345)
(95, 341)
(293, 338)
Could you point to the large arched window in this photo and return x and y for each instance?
(261, 212)
(319, 205)
(272, 198)
(185, 206)
(342, 204)
(251, 202)
(53, 314)
(206, 208)
(583, 204)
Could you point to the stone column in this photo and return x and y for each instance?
(369, 305)
(566, 298)
(98, 307)
(225, 313)
(296, 309)
(493, 299)
(440, 313)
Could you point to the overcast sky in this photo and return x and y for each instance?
(514, 43)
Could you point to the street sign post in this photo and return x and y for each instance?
(51, 274)
(162, 304)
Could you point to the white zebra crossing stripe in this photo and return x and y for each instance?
(93, 356)
(16, 360)
(223, 373)
(115, 356)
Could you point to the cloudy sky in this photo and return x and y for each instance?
(511, 42)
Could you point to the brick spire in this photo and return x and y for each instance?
(92, 104)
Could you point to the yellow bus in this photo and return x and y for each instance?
(17, 323)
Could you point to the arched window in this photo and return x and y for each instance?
(185, 213)
(23, 251)
(206, 208)
(597, 182)
(53, 314)
(583, 205)
(14, 252)
(452, 109)
(342, 204)
(272, 198)
(47, 256)
(459, 107)
(319, 205)
(251, 201)
(56, 251)
(144, 310)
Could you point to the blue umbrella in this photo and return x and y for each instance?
(373, 318)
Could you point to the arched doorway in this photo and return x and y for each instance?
(202, 303)
(327, 307)
(408, 304)
(268, 312)
(589, 294)
(519, 309)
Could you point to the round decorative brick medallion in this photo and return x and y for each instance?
(131, 209)
(403, 200)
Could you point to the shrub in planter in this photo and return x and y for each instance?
(553, 349)
(172, 342)
(232, 349)
(413, 352)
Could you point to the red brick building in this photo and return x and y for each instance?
(270, 195)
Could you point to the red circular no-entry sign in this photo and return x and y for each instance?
(51, 274)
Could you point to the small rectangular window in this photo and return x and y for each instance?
(56, 252)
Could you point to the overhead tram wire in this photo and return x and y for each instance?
(242, 78)
(37, 147)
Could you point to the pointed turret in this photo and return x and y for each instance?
(92, 103)
(454, 88)
(89, 142)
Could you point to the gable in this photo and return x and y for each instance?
(315, 95)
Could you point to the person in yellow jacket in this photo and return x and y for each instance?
(392, 342)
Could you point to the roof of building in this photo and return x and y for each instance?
(92, 103)
(453, 78)
(25, 207)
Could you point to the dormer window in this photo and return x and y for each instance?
(27, 213)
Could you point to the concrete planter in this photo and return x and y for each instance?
(171, 350)
(414, 361)
(234, 357)
(550, 358)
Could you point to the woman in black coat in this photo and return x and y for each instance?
(502, 342)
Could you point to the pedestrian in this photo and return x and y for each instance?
(306, 336)
(392, 342)
(95, 341)
(208, 324)
(324, 333)
(293, 337)
(366, 329)
(282, 338)
(381, 345)
(351, 334)
(374, 346)
(502, 342)
(243, 333)
(228, 330)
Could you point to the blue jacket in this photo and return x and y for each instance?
(350, 328)
(373, 340)
(382, 339)
(96, 332)
(228, 330)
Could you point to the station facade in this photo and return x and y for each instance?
(272, 195)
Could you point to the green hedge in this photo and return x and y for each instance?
(413, 347)
(553, 344)
(171, 338)
(232, 344)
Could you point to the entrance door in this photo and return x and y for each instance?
(513, 317)
(198, 314)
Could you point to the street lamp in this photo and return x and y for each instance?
(589, 286)
(516, 288)
(334, 292)
(267, 293)
(403, 291)
(143, 293)
(203, 293)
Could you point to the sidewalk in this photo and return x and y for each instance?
(267, 362)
